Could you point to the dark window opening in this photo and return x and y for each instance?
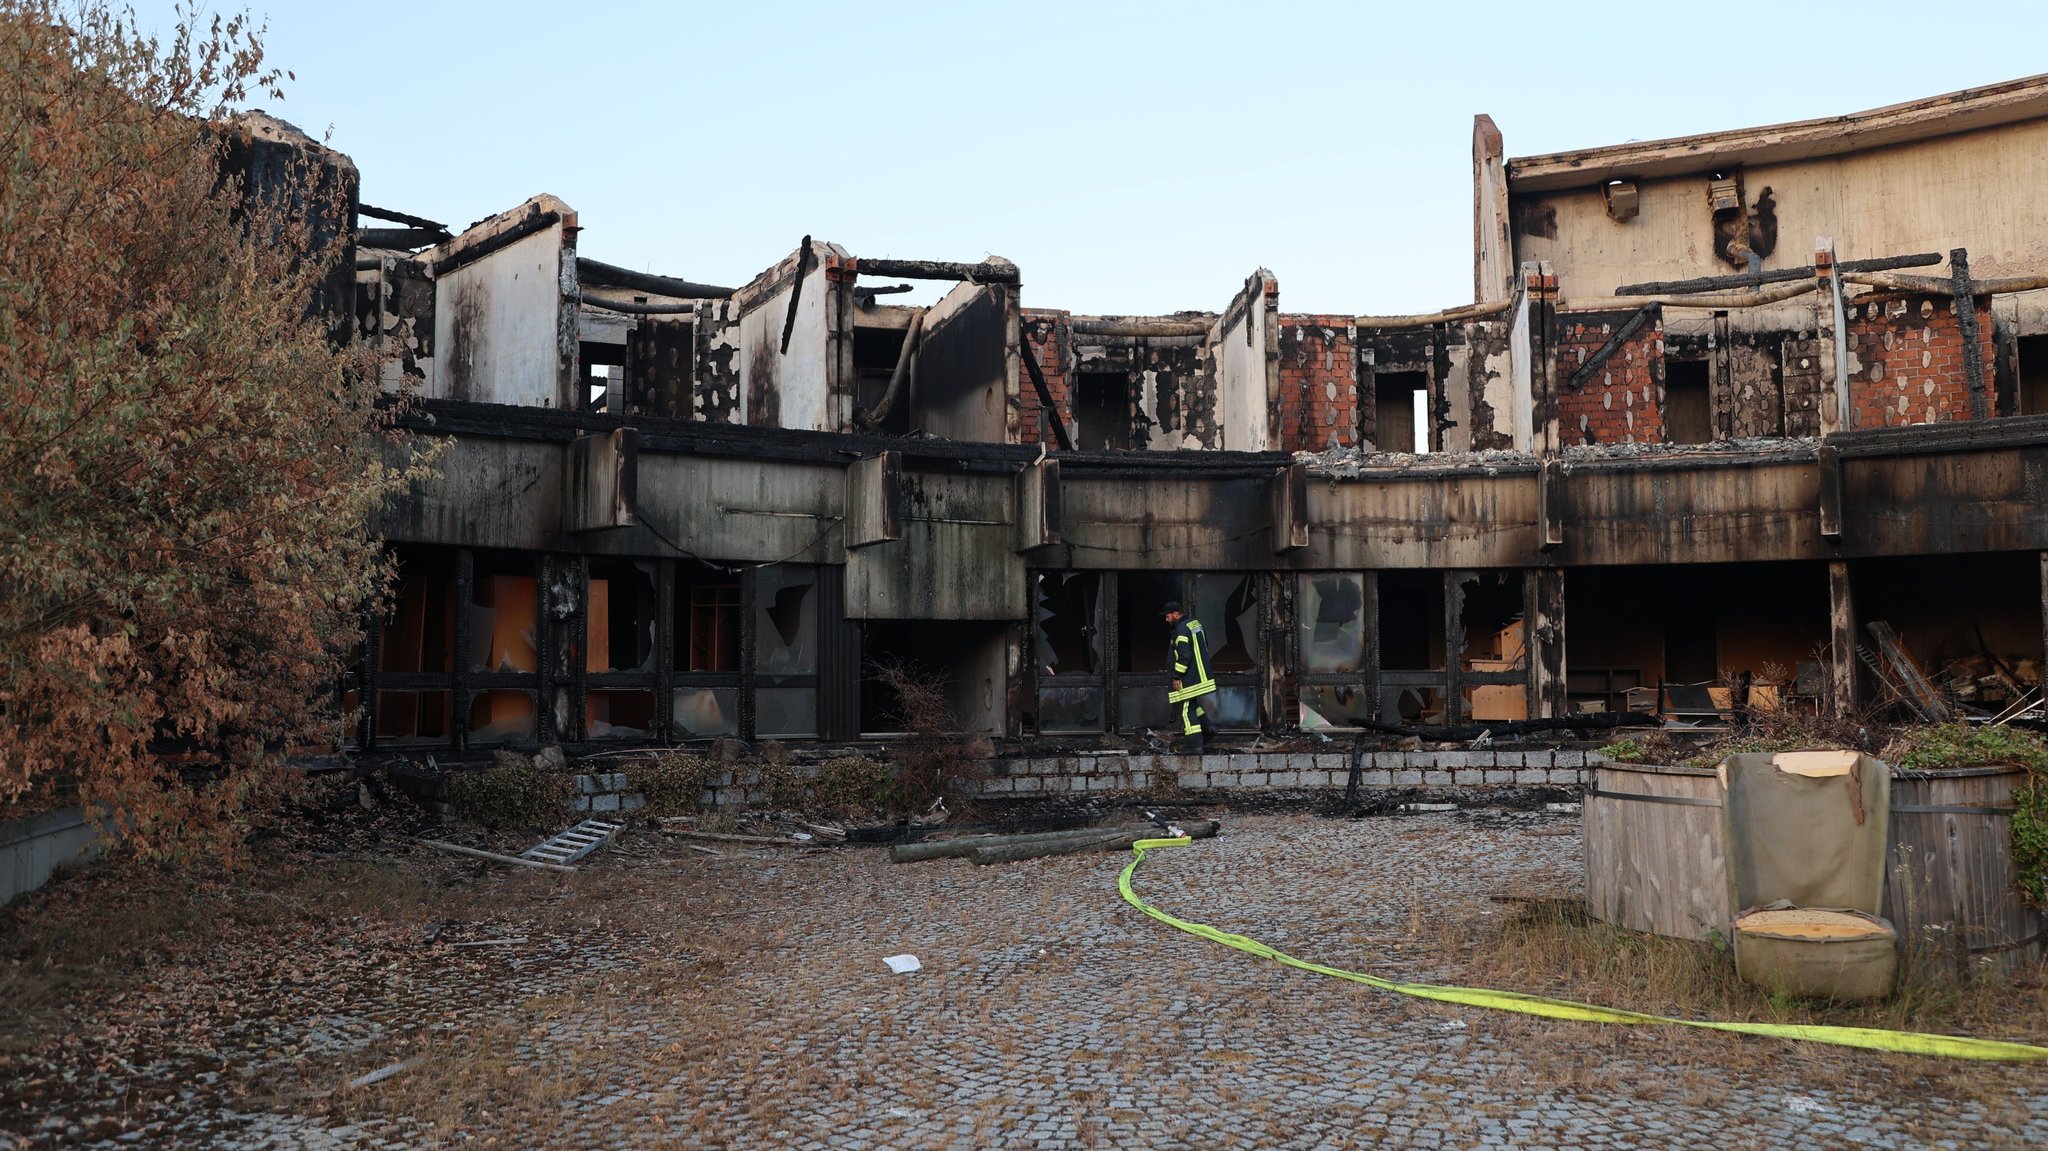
(419, 633)
(967, 658)
(1069, 623)
(1102, 409)
(1688, 402)
(1400, 412)
(2033, 390)
(622, 616)
(1141, 599)
(707, 619)
(1411, 623)
(875, 352)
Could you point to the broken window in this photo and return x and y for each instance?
(2033, 371)
(702, 712)
(785, 651)
(1401, 411)
(1227, 603)
(503, 614)
(1069, 623)
(1330, 607)
(499, 714)
(610, 713)
(1688, 402)
(1102, 410)
(412, 716)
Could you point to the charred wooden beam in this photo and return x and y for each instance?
(982, 273)
(861, 293)
(406, 238)
(1430, 319)
(605, 275)
(1046, 403)
(1966, 319)
(639, 307)
(796, 291)
(391, 217)
(1141, 327)
(1830, 462)
(513, 231)
(1841, 639)
(1606, 352)
(1782, 275)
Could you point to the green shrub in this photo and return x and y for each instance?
(1624, 751)
(512, 796)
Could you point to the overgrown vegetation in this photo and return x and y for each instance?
(188, 464)
(515, 794)
(1955, 745)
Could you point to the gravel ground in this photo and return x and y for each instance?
(667, 998)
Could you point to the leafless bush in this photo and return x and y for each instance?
(936, 757)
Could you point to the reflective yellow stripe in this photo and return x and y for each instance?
(1909, 1042)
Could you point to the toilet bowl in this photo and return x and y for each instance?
(1816, 953)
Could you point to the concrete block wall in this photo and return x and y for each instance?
(1623, 401)
(1318, 383)
(1907, 360)
(1281, 771)
(606, 792)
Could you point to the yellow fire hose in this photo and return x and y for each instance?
(1910, 1042)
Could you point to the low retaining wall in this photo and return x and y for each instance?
(1286, 770)
(32, 848)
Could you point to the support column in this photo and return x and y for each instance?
(1543, 635)
(2044, 609)
(1831, 320)
(458, 664)
(1842, 639)
(665, 648)
(1454, 648)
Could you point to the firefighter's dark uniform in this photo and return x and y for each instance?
(1191, 667)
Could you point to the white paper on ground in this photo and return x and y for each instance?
(902, 964)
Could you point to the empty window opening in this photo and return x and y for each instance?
(2033, 394)
(1411, 623)
(1401, 412)
(1688, 402)
(604, 370)
(1141, 601)
(412, 716)
(875, 352)
(622, 617)
(1102, 408)
(707, 619)
(1495, 645)
(965, 660)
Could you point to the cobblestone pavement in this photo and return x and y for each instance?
(742, 1001)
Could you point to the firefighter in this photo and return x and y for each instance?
(1191, 681)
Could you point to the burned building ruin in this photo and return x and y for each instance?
(1758, 417)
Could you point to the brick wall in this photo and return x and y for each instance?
(1047, 334)
(1318, 383)
(1623, 401)
(1908, 357)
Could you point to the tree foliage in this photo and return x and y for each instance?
(188, 465)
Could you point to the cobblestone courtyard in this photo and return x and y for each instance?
(667, 997)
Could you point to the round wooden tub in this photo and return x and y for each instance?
(1949, 880)
(1654, 857)
(1653, 847)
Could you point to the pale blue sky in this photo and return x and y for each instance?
(1130, 157)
